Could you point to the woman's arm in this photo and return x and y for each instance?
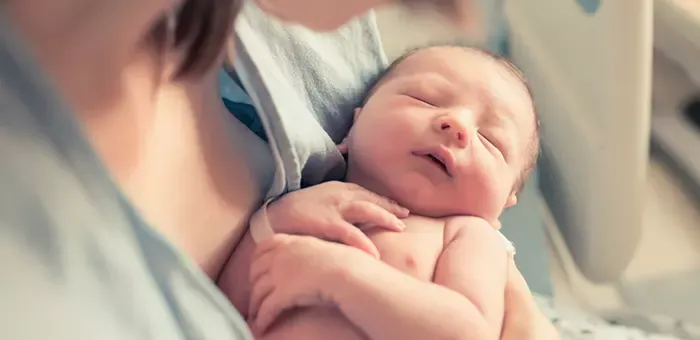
(465, 302)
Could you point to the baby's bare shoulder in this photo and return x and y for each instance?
(454, 225)
(475, 227)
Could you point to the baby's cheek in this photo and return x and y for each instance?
(490, 192)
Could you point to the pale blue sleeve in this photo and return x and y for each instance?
(76, 261)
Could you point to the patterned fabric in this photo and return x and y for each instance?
(577, 325)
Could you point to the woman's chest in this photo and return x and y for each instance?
(197, 175)
(416, 250)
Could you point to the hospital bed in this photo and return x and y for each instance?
(589, 64)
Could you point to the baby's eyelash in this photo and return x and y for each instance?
(493, 143)
(486, 138)
(421, 100)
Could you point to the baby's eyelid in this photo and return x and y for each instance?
(494, 143)
(421, 99)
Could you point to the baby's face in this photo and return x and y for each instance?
(448, 132)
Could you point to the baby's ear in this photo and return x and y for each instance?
(512, 200)
(343, 146)
(356, 113)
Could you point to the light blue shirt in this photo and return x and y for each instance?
(77, 261)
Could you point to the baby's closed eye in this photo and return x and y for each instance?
(421, 100)
(492, 142)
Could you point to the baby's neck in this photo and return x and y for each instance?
(357, 177)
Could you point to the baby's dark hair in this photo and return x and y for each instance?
(534, 144)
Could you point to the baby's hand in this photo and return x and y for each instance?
(290, 271)
(333, 211)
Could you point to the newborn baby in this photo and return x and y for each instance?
(449, 133)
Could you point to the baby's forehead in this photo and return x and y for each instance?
(470, 73)
(467, 69)
(444, 58)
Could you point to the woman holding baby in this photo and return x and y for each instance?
(111, 118)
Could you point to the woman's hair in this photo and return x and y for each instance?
(200, 33)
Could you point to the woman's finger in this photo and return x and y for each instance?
(368, 213)
(523, 319)
(392, 207)
(517, 290)
(517, 320)
(518, 299)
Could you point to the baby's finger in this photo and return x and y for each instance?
(260, 291)
(362, 212)
(392, 207)
(260, 265)
(270, 244)
(343, 148)
(270, 309)
(348, 234)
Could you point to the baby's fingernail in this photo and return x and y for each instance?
(401, 225)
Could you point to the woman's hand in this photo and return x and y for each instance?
(523, 319)
(290, 271)
(335, 211)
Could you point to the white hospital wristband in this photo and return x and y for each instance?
(260, 228)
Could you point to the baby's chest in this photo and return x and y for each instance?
(414, 251)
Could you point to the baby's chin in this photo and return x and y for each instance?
(424, 199)
(437, 208)
(427, 201)
(421, 196)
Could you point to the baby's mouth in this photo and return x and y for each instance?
(437, 161)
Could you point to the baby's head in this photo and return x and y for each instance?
(446, 130)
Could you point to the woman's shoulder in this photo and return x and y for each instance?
(71, 247)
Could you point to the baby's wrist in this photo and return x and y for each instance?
(260, 227)
(349, 276)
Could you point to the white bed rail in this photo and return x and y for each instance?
(591, 77)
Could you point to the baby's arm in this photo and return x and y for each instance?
(465, 302)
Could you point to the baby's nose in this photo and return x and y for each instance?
(454, 129)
